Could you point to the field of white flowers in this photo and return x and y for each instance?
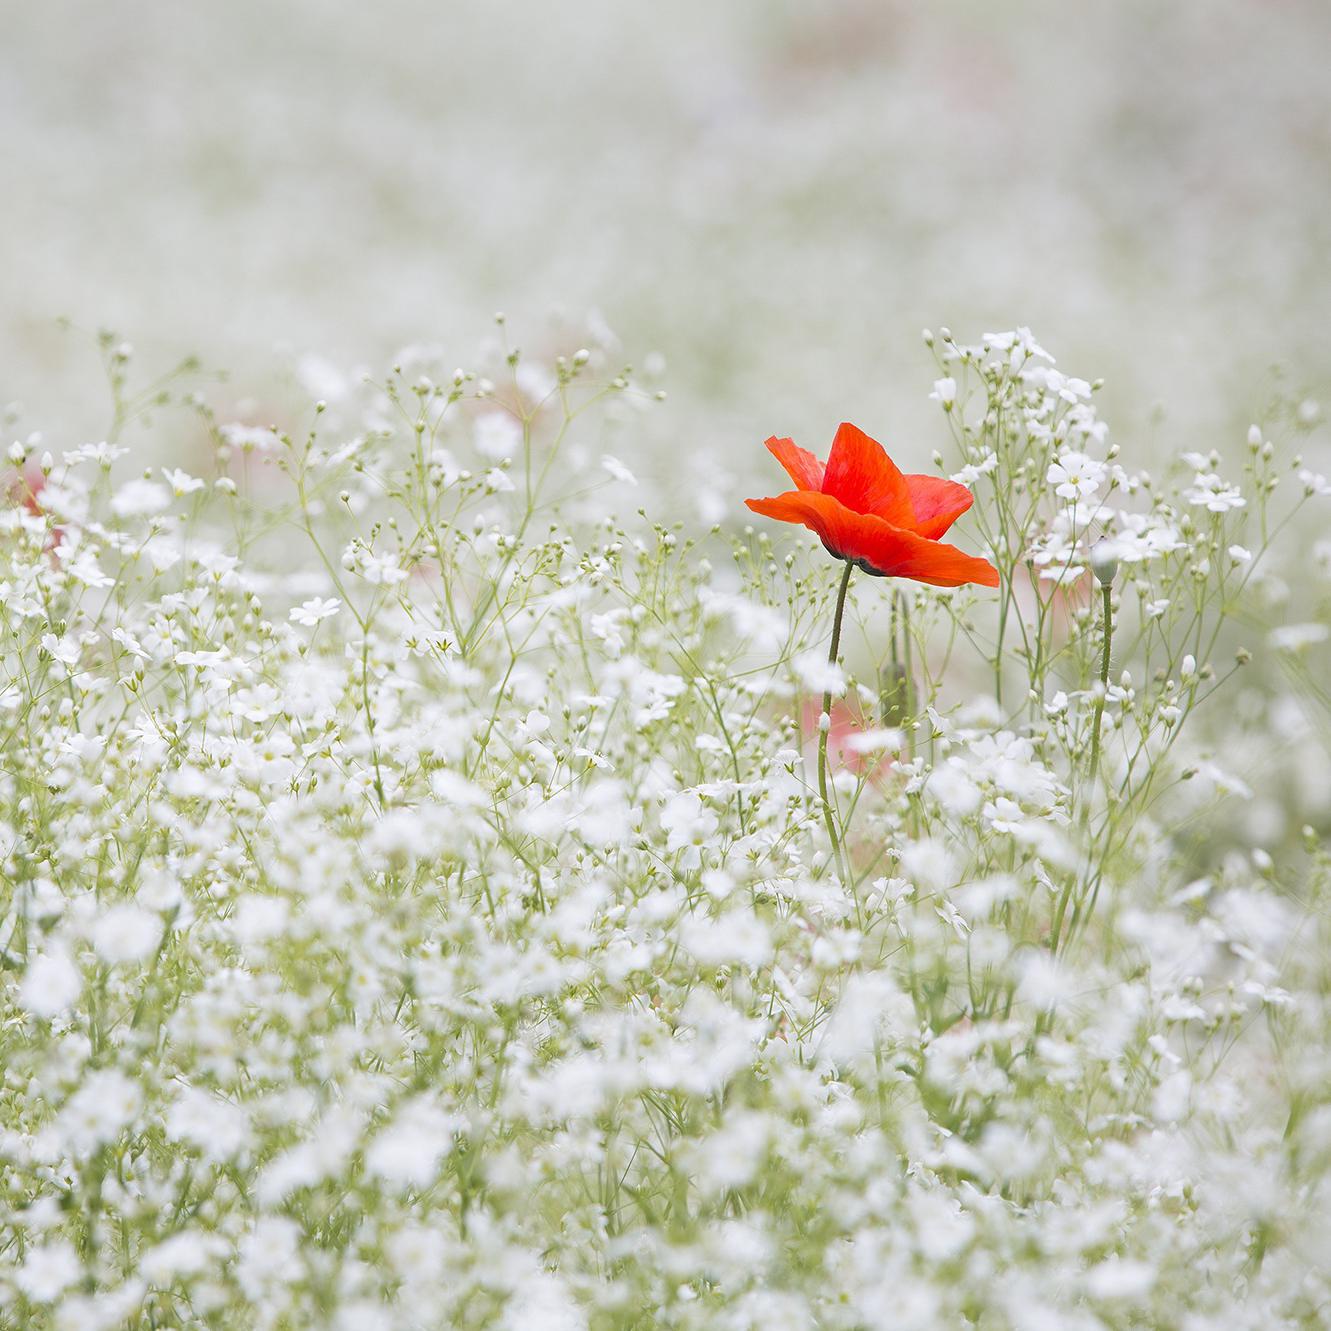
(422, 907)
(460, 867)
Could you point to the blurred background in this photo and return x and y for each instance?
(776, 197)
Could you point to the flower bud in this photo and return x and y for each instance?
(1103, 560)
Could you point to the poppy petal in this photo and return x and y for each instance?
(937, 502)
(876, 544)
(801, 465)
(861, 475)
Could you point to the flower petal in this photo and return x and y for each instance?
(937, 502)
(861, 475)
(801, 465)
(876, 544)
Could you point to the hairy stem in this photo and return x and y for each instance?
(825, 721)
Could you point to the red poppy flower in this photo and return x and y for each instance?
(868, 512)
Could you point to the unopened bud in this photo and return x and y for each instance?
(1104, 561)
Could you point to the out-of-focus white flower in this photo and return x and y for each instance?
(689, 826)
(48, 1270)
(817, 674)
(211, 1124)
(406, 1153)
(51, 984)
(497, 434)
(618, 470)
(140, 498)
(126, 933)
(1210, 492)
(1314, 483)
(1298, 637)
(181, 482)
(99, 1111)
(314, 610)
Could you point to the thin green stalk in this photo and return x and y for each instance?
(1106, 592)
(825, 721)
(1065, 898)
(908, 682)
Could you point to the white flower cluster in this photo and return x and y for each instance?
(447, 934)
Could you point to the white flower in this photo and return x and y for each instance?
(266, 1255)
(1297, 637)
(186, 1254)
(130, 643)
(51, 984)
(103, 454)
(1019, 343)
(249, 438)
(66, 650)
(140, 498)
(1076, 476)
(406, 1154)
(321, 379)
(1314, 483)
(1209, 491)
(181, 482)
(689, 825)
(99, 1111)
(126, 933)
(1240, 555)
(817, 674)
(535, 380)
(618, 470)
(945, 392)
(48, 1270)
(497, 435)
(315, 609)
(498, 481)
(972, 471)
(215, 1126)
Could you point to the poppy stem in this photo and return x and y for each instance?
(1104, 681)
(825, 720)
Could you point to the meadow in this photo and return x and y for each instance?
(444, 888)
(698, 802)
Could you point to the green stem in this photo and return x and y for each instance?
(1065, 898)
(825, 721)
(1107, 591)
(908, 678)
